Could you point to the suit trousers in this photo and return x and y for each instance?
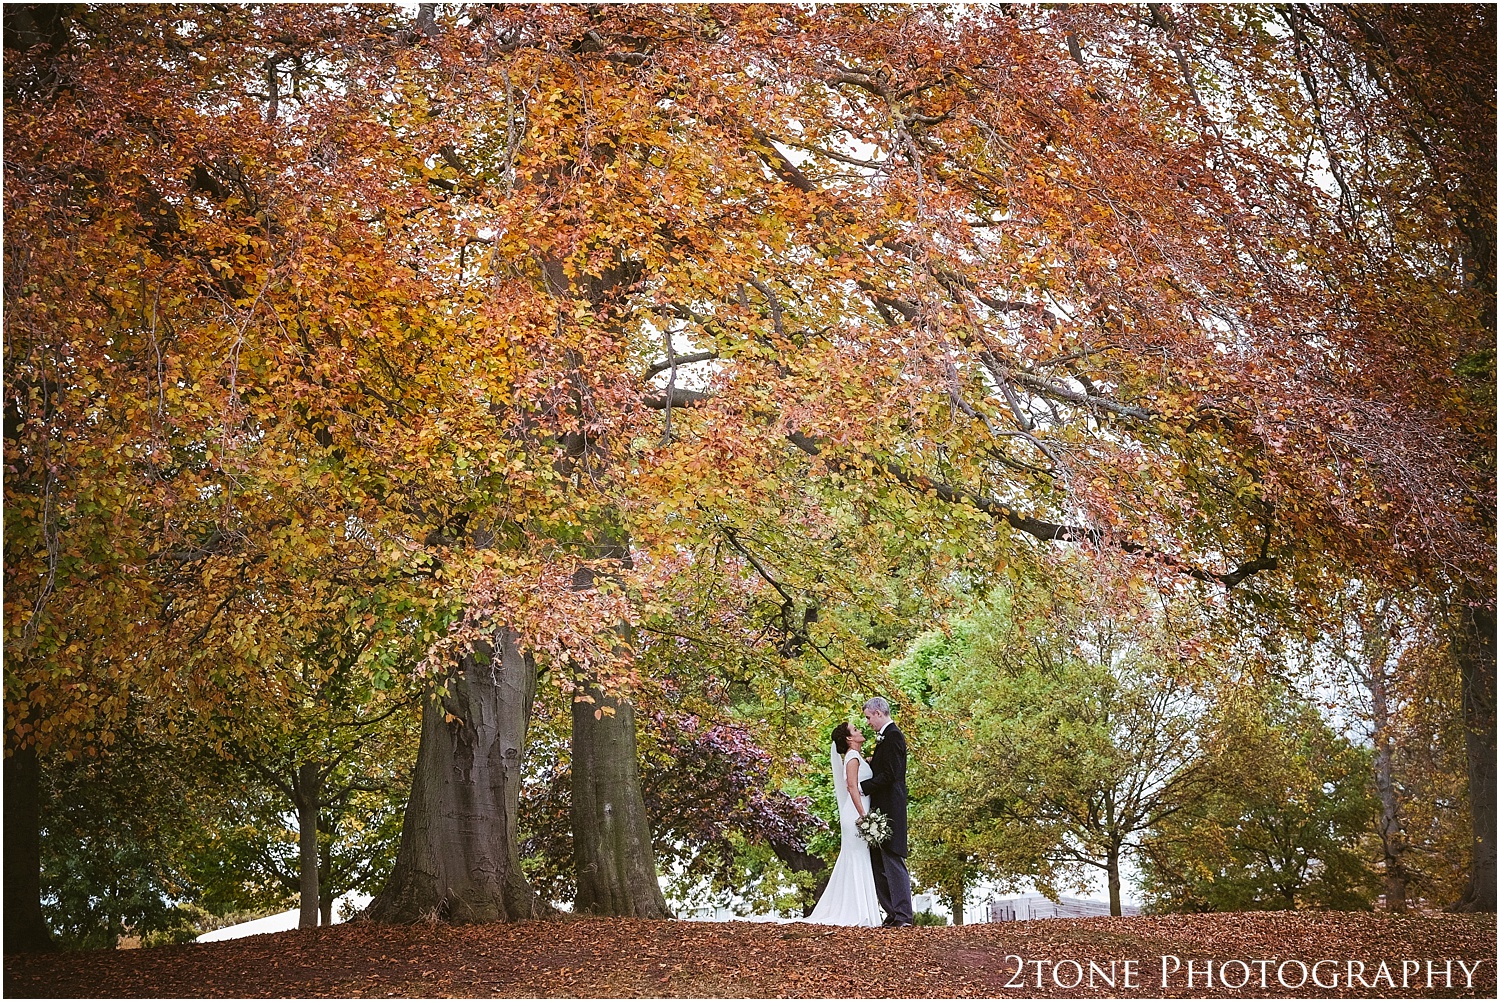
(892, 885)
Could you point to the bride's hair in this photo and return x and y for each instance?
(841, 737)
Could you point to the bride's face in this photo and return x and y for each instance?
(856, 738)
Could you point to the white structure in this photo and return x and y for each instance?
(1036, 906)
(283, 921)
(719, 913)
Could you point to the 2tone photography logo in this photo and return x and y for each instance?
(1296, 974)
(1262, 973)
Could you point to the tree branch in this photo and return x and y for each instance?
(680, 360)
(681, 397)
(1035, 527)
(1048, 388)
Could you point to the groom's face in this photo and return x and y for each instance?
(874, 718)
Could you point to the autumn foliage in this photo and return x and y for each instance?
(568, 317)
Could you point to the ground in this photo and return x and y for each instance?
(602, 958)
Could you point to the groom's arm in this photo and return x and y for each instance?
(880, 772)
(898, 760)
(888, 764)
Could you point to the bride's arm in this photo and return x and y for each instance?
(851, 780)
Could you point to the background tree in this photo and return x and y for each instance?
(117, 845)
(947, 820)
(1431, 776)
(1282, 825)
(1080, 734)
(1376, 632)
(338, 751)
(1393, 99)
(1387, 654)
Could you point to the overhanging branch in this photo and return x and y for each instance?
(1035, 527)
(681, 397)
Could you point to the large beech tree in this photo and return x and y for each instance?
(1209, 286)
(459, 857)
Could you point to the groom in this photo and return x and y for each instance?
(887, 792)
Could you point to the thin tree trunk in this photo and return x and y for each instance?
(1474, 650)
(309, 793)
(957, 897)
(1392, 844)
(325, 879)
(1112, 861)
(611, 835)
(25, 927)
(459, 858)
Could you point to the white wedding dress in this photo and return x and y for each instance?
(850, 898)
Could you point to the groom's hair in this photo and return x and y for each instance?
(841, 738)
(878, 704)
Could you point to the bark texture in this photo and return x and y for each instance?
(1112, 868)
(958, 896)
(459, 859)
(611, 833)
(25, 928)
(1392, 838)
(1474, 649)
(309, 781)
(325, 880)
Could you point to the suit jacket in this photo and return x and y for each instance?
(887, 786)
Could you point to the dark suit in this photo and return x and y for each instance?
(887, 791)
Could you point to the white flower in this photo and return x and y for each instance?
(874, 828)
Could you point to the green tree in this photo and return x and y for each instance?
(1062, 733)
(945, 817)
(117, 839)
(245, 855)
(346, 723)
(1284, 823)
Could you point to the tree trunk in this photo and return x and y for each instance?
(25, 928)
(1112, 862)
(958, 896)
(309, 793)
(459, 859)
(1391, 840)
(612, 851)
(611, 835)
(1474, 650)
(325, 878)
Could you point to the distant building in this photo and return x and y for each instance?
(1035, 906)
(720, 913)
(344, 908)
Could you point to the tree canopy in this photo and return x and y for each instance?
(327, 322)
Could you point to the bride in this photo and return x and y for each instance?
(850, 896)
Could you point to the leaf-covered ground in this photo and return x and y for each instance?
(621, 958)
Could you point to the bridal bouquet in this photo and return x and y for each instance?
(874, 828)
